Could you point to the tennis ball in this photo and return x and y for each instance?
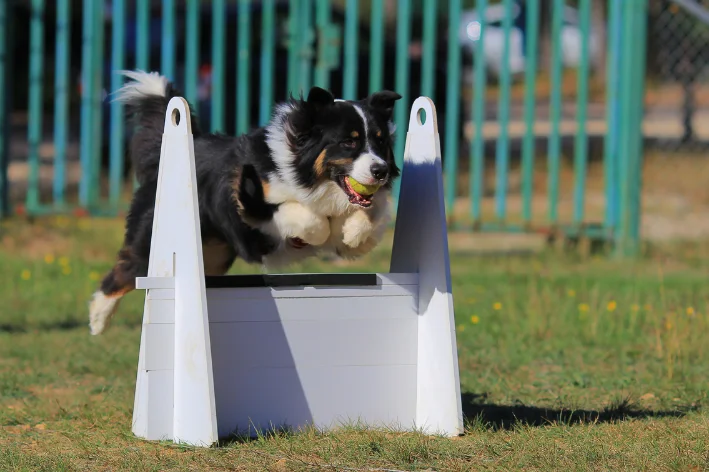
(361, 188)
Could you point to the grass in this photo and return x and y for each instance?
(567, 362)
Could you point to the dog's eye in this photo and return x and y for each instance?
(349, 144)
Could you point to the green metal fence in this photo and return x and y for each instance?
(250, 54)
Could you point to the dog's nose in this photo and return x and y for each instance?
(379, 171)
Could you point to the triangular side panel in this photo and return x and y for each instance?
(421, 245)
(176, 252)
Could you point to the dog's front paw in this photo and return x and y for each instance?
(347, 252)
(356, 229)
(295, 220)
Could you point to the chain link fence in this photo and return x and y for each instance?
(677, 105)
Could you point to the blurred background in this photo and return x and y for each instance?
(567, 118)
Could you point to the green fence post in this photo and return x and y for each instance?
(268, 27)
(554, 156)
(502, 155)
(631, 95)
(530, 90)
(218, 67)
(96, 103)
(117, 128)
(581, 139)
(322, 21)
(401, 109)
(61, 99)
(349, 73)
(376, 48)
(305, 48)
(192, 51)
(452, 130)
(611, 141)
(142, 54)
(477, 148)
(243, 94)
(87, 109)
(36, 76)
(167, 55)
(428, 56)
(636, 94)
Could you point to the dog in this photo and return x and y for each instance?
(274, 196)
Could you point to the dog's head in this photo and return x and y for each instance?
(329, 140)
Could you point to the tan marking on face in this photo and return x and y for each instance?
(320, 164)
(266, 187)
(354, 134)
(379, 134)
(340, 162)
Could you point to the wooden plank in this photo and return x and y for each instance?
(312, 292)
(145, 283)
(313, 343)
(160, 346)
(263, 398)
(160, 404)
(227, 310)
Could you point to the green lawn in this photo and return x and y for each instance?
(566, 363)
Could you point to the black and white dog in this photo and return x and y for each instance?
(273, 196)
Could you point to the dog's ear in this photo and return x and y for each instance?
(383, 101)
(319, 98)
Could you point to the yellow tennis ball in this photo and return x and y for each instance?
(361, 188)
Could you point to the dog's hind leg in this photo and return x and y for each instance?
(118, 282)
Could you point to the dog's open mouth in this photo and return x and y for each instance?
(355, 198)
(297, 243)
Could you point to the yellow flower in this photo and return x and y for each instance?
(49, 258)
(94, 276)
(62, 221)
(461, 328)
(668, 325)
(66, 270)
(583, 307)
(635, 307)
(571, 293)
(475, 319)
(63, 261)
(497, 306)
(612, 305)
(25, 274)
(690, 311)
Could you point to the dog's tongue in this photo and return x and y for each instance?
(297, 243)
(360, 199)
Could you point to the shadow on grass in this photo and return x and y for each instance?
(60, 325)
(477, 411)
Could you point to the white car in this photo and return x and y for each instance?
(493, 46)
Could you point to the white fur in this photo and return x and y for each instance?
(144, 83)
(360, 112)
(362, 168)
(101, 310)
(294, 220)
(356, 229)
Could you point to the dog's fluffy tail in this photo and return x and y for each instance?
(146, 97)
